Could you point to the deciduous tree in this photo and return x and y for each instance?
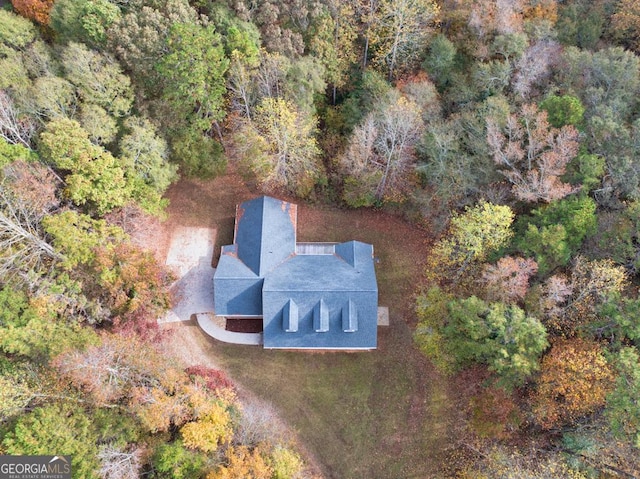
(534, 69)
(15, 126)
(15, 395)
(133, 285)
(626, 23)
(471, 236)
(379, 158)
(400, 31)
(241, 462)
(99, 78)
(556, 291)
(502, 17)
(508, 279)
(118, 462)
(32, 184)
(85, 21)
(211, 428)
(285, 463)
(193, 70)
(30, 332)
(37, 10)
(94, 176)
(593, 283)
(50, 98)
(574, 381)
(214, 379)
(281, 149)
(605, 79)
(24, 246)
(174, 461)
(333, 42)
(147, 153)
(139, 37)
(77, 237)
(532, 154)
(15, 31)
(101, 127)
(111, 371)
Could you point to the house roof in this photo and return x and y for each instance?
(265, 233)
(317, 296)
(231, 266)
(350, 268)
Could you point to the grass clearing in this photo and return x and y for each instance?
(381, 414)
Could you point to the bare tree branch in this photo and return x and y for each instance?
(14, 129)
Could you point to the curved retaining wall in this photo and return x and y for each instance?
(216, 332)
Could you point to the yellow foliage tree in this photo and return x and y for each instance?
(243, 463)
(471, 237)
(279, 147)
(212, 427)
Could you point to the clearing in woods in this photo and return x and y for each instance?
(385, 414)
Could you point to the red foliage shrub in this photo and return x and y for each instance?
(214, 379)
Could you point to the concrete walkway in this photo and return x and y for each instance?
(210, 327)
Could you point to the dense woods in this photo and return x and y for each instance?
(509, 128)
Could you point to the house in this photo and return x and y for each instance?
(309, 295)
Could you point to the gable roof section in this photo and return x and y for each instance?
(265, 233)
(230, 266)
(335, 298)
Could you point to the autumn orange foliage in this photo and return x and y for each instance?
(133, 285)
(37, 10)
(574, 381)
(542, 10)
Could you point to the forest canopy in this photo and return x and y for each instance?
(509, 129)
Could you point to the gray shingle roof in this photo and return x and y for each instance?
(325, 298)
(265, 233)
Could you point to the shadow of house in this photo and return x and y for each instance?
(309, 295)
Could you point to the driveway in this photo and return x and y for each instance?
(189, 257)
